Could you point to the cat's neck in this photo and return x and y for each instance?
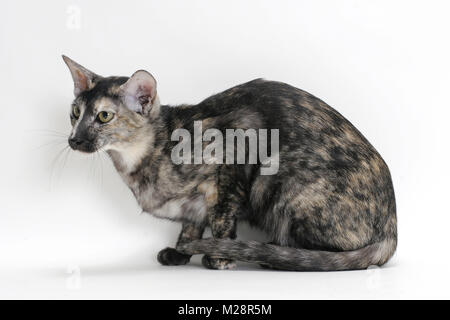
(129, 156)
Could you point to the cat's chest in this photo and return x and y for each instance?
(156, 200)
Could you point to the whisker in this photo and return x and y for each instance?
(54, 134)
(47, 131)
(50, 143)
(66, 156)
(101, 169)
(91, 172)
(54, 162)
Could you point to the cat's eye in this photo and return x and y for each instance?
(105, 116)
(76, 112)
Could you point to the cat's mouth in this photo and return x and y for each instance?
(82, 145)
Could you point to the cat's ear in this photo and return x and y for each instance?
(139, 93)
(83, 79)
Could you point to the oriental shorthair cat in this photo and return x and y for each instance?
(325, 199)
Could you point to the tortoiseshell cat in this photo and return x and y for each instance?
(330, 206)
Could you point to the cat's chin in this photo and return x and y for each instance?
(85, 150)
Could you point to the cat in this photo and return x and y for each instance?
(330, 206)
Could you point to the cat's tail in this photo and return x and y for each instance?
(288, 258)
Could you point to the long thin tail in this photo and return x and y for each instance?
(287, 258)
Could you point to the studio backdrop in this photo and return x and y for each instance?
(69, 226)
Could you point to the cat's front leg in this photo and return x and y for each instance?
(171, 256)
(223, 226)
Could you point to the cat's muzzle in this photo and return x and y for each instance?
(82, 145)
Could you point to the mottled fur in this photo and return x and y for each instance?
(331, 205)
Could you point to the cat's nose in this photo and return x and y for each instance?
(75, 142)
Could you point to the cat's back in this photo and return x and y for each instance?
(277, 102)
(304, 120)
(310, 131)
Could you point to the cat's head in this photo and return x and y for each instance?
(108, 112)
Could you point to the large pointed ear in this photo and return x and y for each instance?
(139, 93)
(83, 79)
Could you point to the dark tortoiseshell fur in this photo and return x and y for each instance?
(331, 205)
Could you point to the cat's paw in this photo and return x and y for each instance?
(171, 257)
(218, 263)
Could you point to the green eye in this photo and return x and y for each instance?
(76, 112)
(105, 116)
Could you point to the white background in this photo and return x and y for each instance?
(69, 228)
